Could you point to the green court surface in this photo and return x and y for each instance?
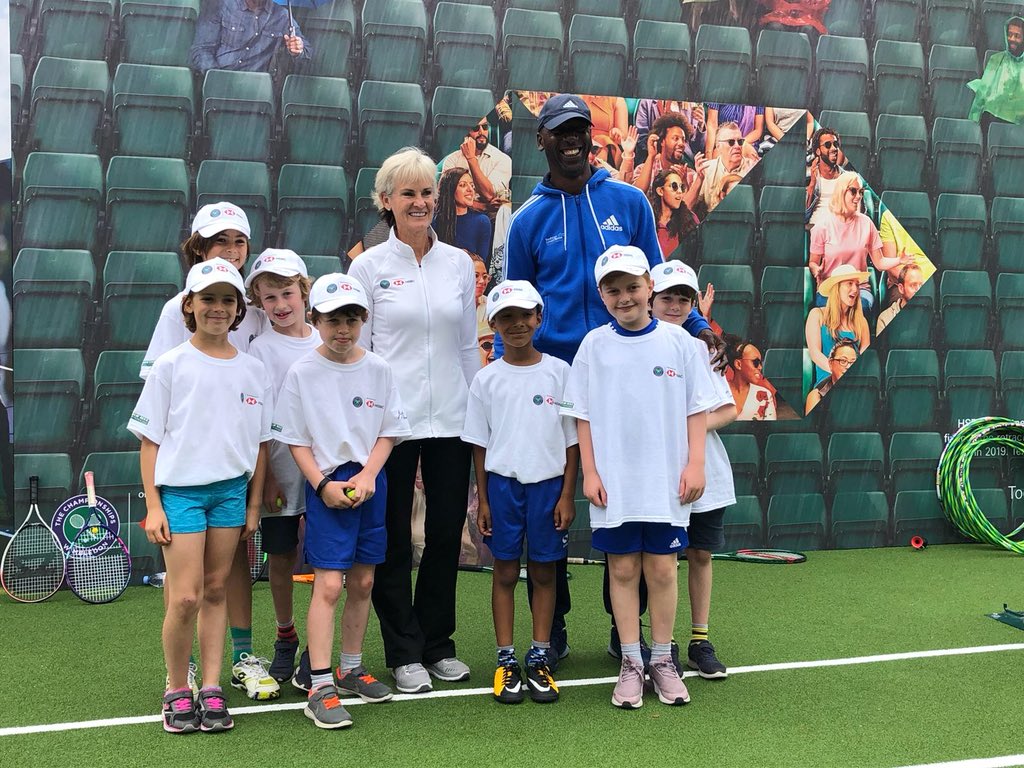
(66, 662)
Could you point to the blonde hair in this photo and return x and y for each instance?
(833, 314)
(844, 181)
(409, 164)
(278, 281)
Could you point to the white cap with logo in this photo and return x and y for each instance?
(216, 217)
(513, 293)
(621, 258)
(673, 273)
(277, 261)
(212, 271)
(336, 290)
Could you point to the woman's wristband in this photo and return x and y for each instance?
(320, 487)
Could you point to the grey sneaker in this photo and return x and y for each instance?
(667, 683)
(629, 690)
(324, 708)
(411, 678)
(450, 670)
(361, 683)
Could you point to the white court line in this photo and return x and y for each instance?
(977, 762)
(456, 692)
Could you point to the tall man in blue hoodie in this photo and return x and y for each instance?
(574, 214)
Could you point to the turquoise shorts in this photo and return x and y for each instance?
(194, 508)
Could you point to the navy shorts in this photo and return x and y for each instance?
(628, 538)
(707, 530)
(336, 539)
(525, 510)
(280, 533)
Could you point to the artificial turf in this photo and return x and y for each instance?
(82, 662)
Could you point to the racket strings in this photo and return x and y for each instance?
(33, 565)
(99, 576)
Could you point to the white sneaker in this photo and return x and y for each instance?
(450, 670)
(412, 678)
(250, 675)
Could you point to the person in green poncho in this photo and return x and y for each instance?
(999, 93)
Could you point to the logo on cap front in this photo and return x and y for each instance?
(604, 260)
(357, 402)
(537, 399)
(385, 284)
(494, 296)
(507, 291)
(658, 370)
(206, 270)
(668, 270)
(332, 288)
(214, 213)
(257, 264)
(570, 104)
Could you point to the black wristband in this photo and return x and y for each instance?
(320, 487)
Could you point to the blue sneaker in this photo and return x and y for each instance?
(303, 678)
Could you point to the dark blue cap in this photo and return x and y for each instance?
(558, 109)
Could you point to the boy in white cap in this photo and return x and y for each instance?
(340, 413)
(279, 284)
(526, 459)
(675, 294)
(203, 418)
(633, 383)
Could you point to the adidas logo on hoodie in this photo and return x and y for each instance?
(611, 224)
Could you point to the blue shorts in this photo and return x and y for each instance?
(707, 530)
(194, 508)
(336, 539)
(652, 538)
(521, 510)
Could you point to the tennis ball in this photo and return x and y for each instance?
(351, 493)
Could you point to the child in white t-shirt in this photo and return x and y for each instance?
(340, 413)
(526, 459)
(633, 383)
(203, 418)
(279, 284)
(675, 294)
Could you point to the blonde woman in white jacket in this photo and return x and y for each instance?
(423, 322)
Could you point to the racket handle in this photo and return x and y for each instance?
(33, 489)
(90, 489)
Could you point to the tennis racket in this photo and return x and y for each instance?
(257, 557)
(776, 556)
(99, 566)
(33, 564)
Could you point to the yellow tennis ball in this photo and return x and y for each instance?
(351, 493)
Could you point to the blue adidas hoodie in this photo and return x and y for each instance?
(554, 240)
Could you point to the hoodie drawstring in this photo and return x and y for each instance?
(593, 213)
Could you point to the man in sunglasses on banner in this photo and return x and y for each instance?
(828, 163)
(732, 155)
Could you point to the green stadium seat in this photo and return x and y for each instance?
(18, 15)
(969, 380)
(913, 457)
(917, 513)
(898, 70)
(793, 463)
(994, 14)
(74, 29)
(786, 294)
(136, 285)
(391, 116)
(856, 462)
(1006, 217)
(238, 113)
(912, 327)
(782, 225)
(526, 160)
(153, 110)
(331, 30)
(318, 266)
(17, 87)
(993, 504)
(55, 379)
(454, 112)
(783, 68)
(316, 113)
(68, 98)
(659, 10)
(960, 230)
(854, 131)
(855, 403)
(1011, 378)
(860, 520)
(912, 389)
(745, 458)
(896, 20)
(949, 69)
(661, 58)
(966, 304)
(465, 40)
(117, 387)
(551, 6)
(949, 22)
(54, 473)
(366, 215)
(522, 187)
(845, 17)
(532, 49)
(842, 72)
(956, 155)
(244, 184)
(791, 373)
(727, 233)
(785, 163)
(53, 293)
(734, 295)
(157, 31)
(599, 7)
(744, 524)
(147, 203)
(62, 195)
(723, 61)
(1006, 159)
(312, 208)
(901, 145)
(598, 50)
(394, 40)
(797, 521)
(1009, 309)
(914, 212)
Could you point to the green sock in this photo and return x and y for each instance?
(241, 642)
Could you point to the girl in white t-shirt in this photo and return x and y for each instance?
(203, 417)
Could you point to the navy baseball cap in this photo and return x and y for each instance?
(558, 109)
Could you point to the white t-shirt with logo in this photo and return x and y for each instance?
(339, 409)
(719, 490)
(170, 331)
(278, 352)
(208, 415)
(637, 392)
(514, 412)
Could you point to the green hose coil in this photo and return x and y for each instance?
(953, 482)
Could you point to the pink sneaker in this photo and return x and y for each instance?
(667, 683)
(629, 690)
